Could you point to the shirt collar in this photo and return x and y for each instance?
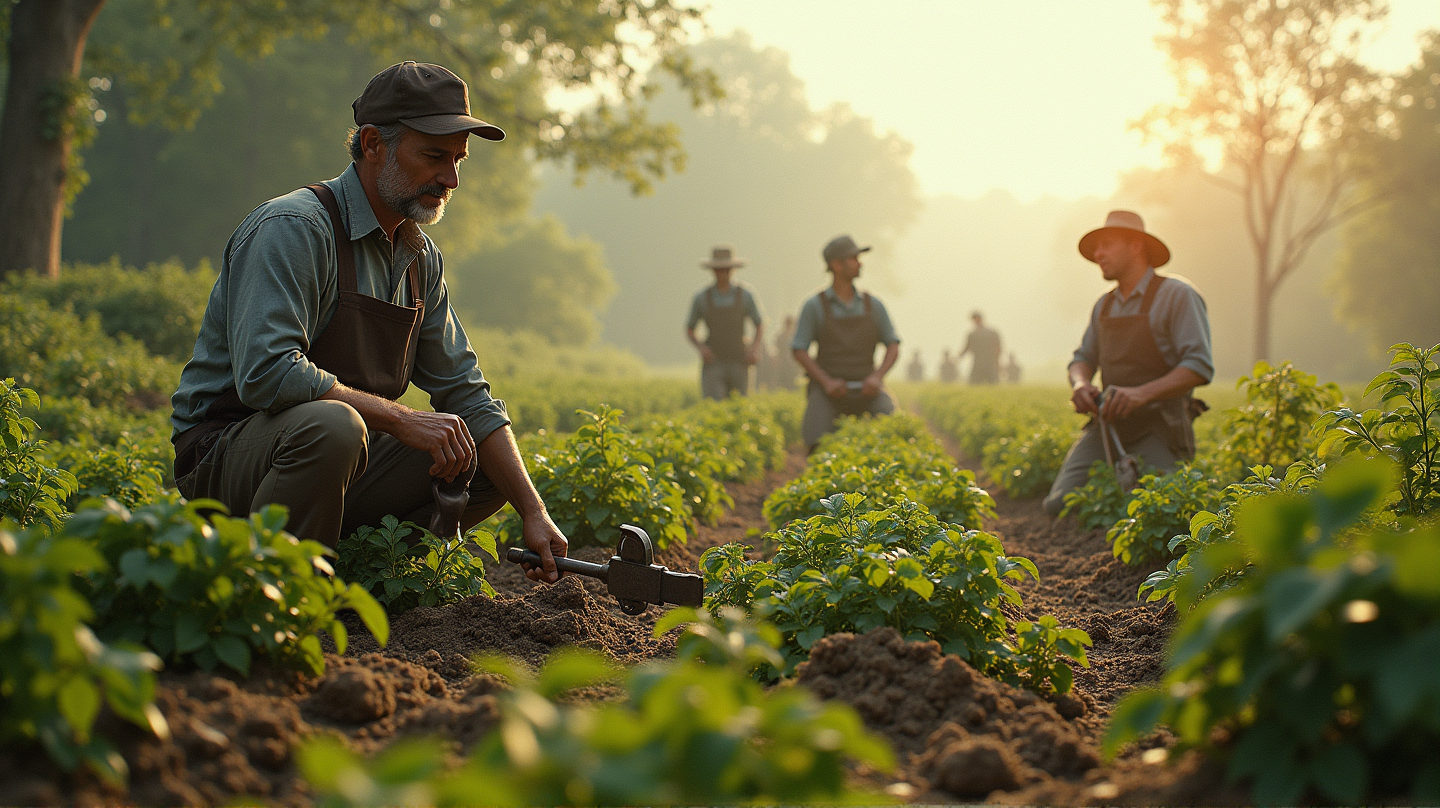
(1139, 287)
(360, 218)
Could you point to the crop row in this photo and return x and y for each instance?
(871, 556)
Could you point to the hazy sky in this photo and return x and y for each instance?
(1032, 96)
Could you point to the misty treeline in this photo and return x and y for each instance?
(755, 165)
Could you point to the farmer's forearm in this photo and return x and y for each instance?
(499, 458)
(892, 355)
(1177, 382)
(812, 368)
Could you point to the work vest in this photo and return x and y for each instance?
(1129, 357)
(369, 344)
(726, 325)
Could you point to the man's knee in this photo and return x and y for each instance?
(332, 428)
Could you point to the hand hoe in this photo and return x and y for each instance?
(632, 575)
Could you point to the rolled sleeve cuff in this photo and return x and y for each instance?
(485, 418)
(1199, 367)
(303, 382)
(1080, 356)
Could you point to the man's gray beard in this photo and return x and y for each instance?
(403, 198)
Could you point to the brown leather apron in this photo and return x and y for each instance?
(1129, 357)
(847, 351)
(726, 325)
(369, 344)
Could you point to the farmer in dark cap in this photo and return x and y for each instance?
(847, 325)
(1149, 338)
(329, 304)
(724, 307)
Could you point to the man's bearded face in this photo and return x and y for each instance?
(422, 203)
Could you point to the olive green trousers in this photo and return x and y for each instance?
(319, 461)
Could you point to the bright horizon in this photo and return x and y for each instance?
(986, 120)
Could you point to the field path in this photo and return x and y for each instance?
(1086, 587)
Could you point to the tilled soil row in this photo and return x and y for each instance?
(235, 737)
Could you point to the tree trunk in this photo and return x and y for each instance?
(47, 43)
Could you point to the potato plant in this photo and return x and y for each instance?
(1314, 675)
(1405, 428)
(1272, 427)
(695, 730)
(854, 568)
(600, 478)
(403, 565)
(215, 590)
(1025, 464)
(55, 675)
(1099, 503)
(1159, 510)
(31, 491)
(886, 460)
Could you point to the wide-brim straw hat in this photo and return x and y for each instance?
(723, 257)
(1156, 252)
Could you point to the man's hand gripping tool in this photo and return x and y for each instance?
(632, 575)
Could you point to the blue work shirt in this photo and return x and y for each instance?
(812, 314)
(277, 291)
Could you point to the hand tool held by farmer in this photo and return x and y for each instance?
(632, 575)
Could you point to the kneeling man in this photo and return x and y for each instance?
(1150, 339)
(329, 304)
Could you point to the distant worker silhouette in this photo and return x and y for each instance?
(983, 345)
(949, 368)
(1150, 339)
(1011, 371)
(724, 307)
(915, 371)
(848, 325)
(786, 370)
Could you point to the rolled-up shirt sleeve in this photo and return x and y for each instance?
(1189, 327)
(446, 366)
(275, 296)
(752, 308)
(808, 326)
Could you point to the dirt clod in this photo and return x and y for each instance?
(355, 695)
(949, 720)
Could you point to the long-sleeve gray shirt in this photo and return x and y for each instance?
(1178, 319)
(277, 291)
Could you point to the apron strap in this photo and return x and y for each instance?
(344, 249)
(866, 297)
(825, 306)
(413, 273)
(1157, 282)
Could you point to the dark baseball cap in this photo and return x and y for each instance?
(841, 247)
(427, 98)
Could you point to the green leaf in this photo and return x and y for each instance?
(233, 651)
(809, 636)
(191, 632)
(372, 614)
(79, 703)
(572, 668)
(1341, 772)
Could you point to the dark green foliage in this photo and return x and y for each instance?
(404, 565)
(1272, 428)
(599, 479)
(886, 460)
(1043, 651)
(131, 473)
(1319, 664)
(695, 730)
(31, 491)
(57, 353)
(160, 305)
(855, 568)
(54, 674)
(215, 590)
(1175, 583)
(697, 467)
(1161, 509)
(1099, 503)
(1025, 464)
(1405, 427)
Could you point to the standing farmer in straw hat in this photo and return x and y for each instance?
(725, 306)
(847, 324)
(1150, 339)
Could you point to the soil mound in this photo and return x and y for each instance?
(954, 729)
(237, 739)
(545, 617)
